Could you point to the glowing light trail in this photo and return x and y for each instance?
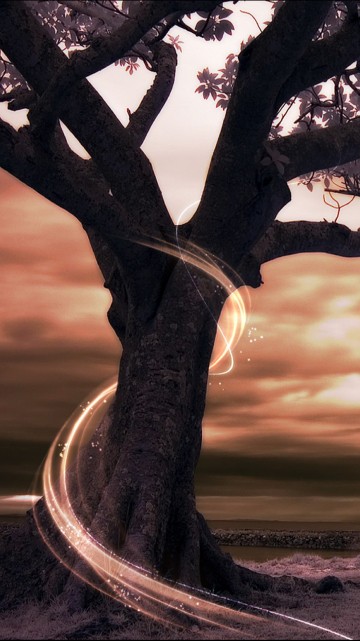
(126, 582)
(236, 305)
(237, 314)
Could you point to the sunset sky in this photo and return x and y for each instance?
(282, 434)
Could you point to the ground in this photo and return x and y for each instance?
(27, 618)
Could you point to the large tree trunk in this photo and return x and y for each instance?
(146, 505)
(137, 494)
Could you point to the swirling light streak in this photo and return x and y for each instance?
(132, 585)
(237, 314)
(122, 580)
(237, 304)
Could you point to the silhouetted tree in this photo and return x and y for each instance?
(140, 495)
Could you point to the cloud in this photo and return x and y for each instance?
(296, 390)
(295, 469)
(42, 384)
(305, 509)
(19, 463)
(26, 330)
(345, 391)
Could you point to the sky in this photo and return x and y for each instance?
(281, 432)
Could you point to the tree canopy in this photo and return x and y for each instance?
(307, 117)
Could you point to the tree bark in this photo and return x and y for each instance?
(153, 440)
(135, 490)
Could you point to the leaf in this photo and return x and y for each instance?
(227, 26)
(200, 26)
(132, 66)
(222, 27)
(309, 186)
(216, 26)
(223, 103)
(176, 42)
(203, 14)
(208, 35)
(225, 13)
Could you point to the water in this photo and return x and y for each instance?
(290, 526)
(262, 554)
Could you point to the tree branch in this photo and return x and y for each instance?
(285, 239)
(233, 232)
(103, 52)
(323, 60)
(142, 119)
(127, 170)
(352, 8)
(19, 98)
(319, 149)
(164, 27)
(111, 18)
(76, 185)
(63, 178)
(114, 19)
(273, 54)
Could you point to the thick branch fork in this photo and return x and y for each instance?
(274, 54)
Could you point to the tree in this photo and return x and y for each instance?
(140, 498)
